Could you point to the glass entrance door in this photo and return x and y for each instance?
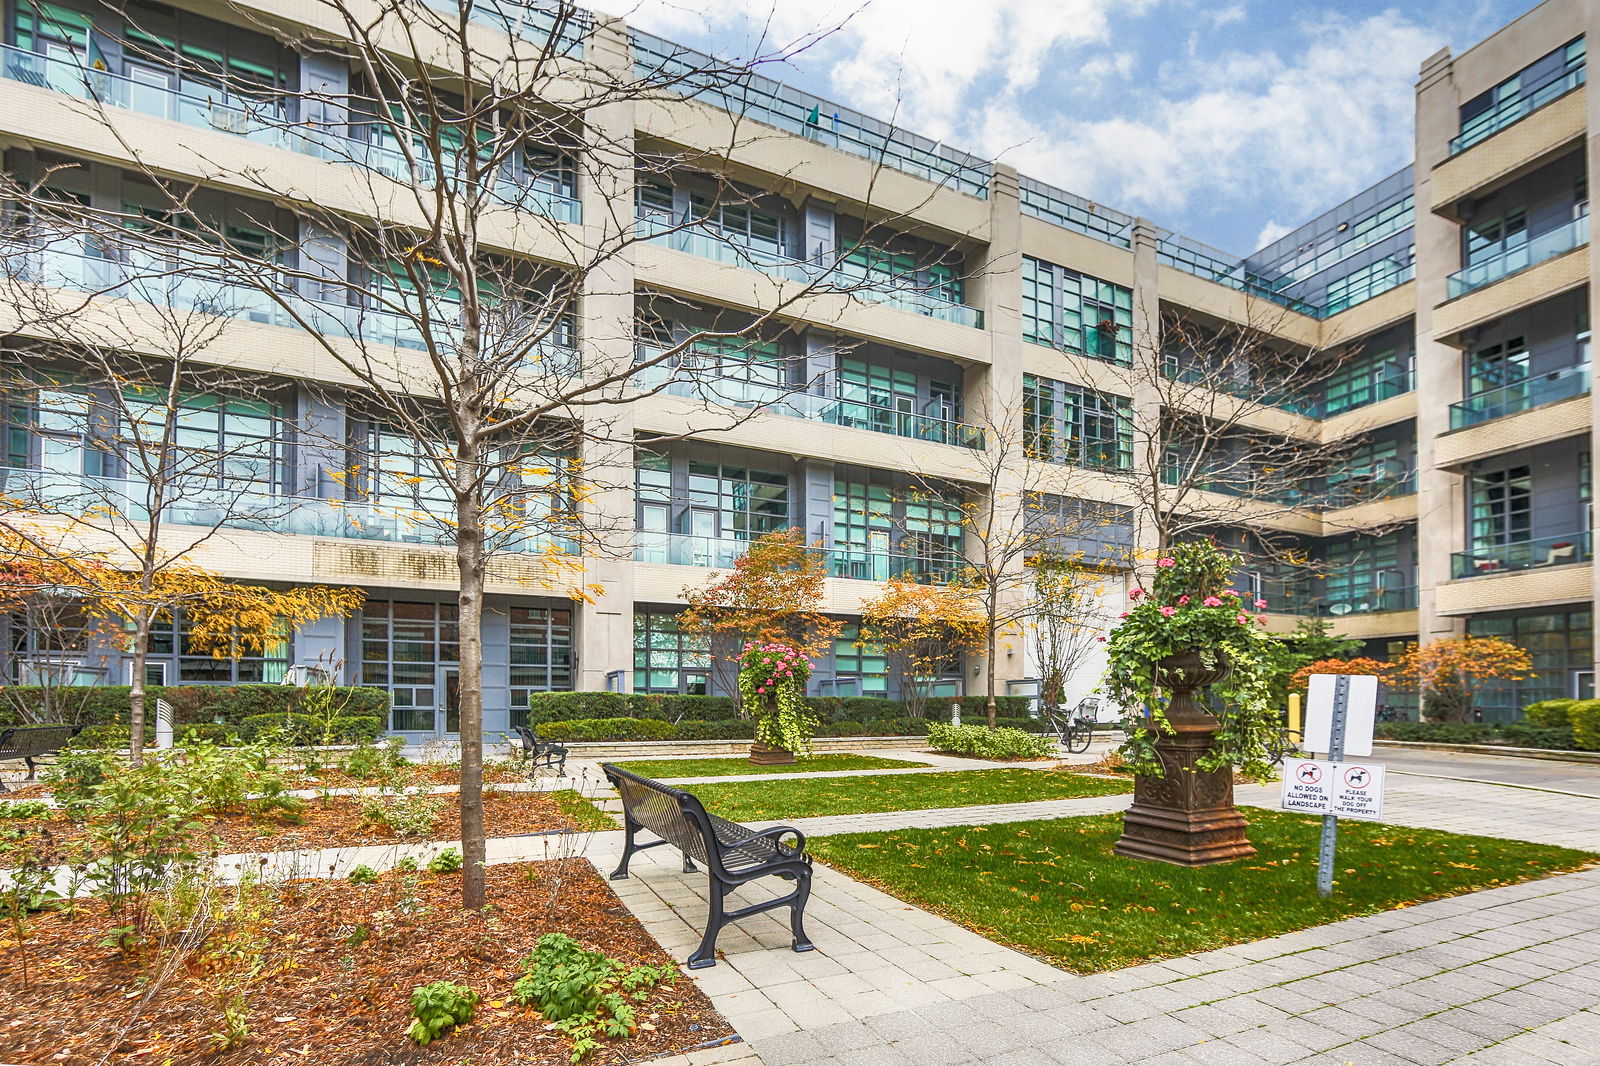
(450, 686)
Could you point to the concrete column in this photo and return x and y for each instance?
(1441, 517)
(1592, 160)
(1146, 387)
(605, 625)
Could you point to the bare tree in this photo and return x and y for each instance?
(1069, 615)
(440, 271)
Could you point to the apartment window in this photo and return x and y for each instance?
(541, 655)
(1561, 644)
(742, 223)
(171, 642)
(754, 371)
(1372, 471)
(58, 428)
(863, 517)
(218, 442)
(1076, 312)
(1361, 571)
(888, 269)
(748, 502)
(1367, 282)
(861, 661)
(933, 534)
(402, 648)
(668, 660)
(1485, 239)
(886, 392)
(1096, 531)
(1064, 423)
(1502, 507)
(1497, 366)
(1534, 86)
(1367, 377)
(653, 204)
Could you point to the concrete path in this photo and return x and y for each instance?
(1583, 778)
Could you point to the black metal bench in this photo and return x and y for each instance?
(27, 742)
(538, 753)
(734, 854)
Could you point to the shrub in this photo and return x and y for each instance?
(357, 729)
(1585, 716)
(363, 875)
(609, 729)
(568, 706)
(989, 743)
(412, 815)
(286, 726)
(101, 704)
(1437, 732)
(438, 1006)
(210, 732)
(77, 774)
(584, 993)
(24, 809)
(447, 861)
(110, 736)
(1523, 735)
(700, 730)
(675, 708)
(1549, 714)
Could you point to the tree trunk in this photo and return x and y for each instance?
(989, 656)
(470, 566)
(136, 715)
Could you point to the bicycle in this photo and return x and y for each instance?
(1284, 743)
(1074, 730)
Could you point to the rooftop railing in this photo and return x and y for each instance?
(1518, 396)
(1558, 241)
(1529, 554)
(262, 120)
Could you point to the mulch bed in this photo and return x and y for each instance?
(339, 962)
(339, 823)
(415, 774)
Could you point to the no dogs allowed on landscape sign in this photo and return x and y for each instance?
(1345, 789)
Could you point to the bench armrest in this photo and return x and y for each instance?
(779, 831)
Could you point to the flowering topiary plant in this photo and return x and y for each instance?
(1189, 607)
(772, 690)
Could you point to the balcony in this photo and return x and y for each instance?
(1523, 555)
(1516, 109)
(1520, 396)
(832, 410)
(151, 277)
(1382, 481)
(219, 505)
(682, 549)
(1558, 241)
(1374, 601)
(828, 277)
(1372, 390)
(263, 121)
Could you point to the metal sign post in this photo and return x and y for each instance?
(1330, 823)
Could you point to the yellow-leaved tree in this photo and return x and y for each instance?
(924, 631)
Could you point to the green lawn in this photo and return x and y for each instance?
(729, 766)
(581, 811)
(756, 801)
(1056, 890)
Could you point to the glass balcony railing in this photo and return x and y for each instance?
(1338, 605)
(683, 549)
(1259, 393)
(262, 120)
(1515, 110)
(131, 273)
(784, 401)
(1522, 555)
(709, 244)
(214, 504)
(1558, 241)
(1375, 285)
(1356, 394)
(1520, 396)
(1363, 485)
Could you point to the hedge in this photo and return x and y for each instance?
(1549, 714)
(989, 743)
(1585, 718)
(740, 729)
(1584, 733)
(101, 704)
(551, 707)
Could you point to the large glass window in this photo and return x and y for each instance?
(1064, 423)
(219, 442)
(742, 223)
(402, 647)
(1561, 644)
(1374, 470)
(1535, 85)
(1367, 377)
(668, 660)
(1076, 312)
(541, 655)
(748, 503)
(862, 662)
(1497, 366)
(1502, 507)
(1486, 238)
(1364, 574)
(172, 644)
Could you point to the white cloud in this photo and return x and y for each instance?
(1271, 232)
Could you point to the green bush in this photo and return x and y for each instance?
(207, 731)
(357, 729)
(1438, 732)
(1585, 716)
(1522, 735)
(1549, 714)
(111, 736)
(287, 727)
(609, 729)
(572, 706)
(674, 708)
(988, 743)
(698, 730)
(101, 704)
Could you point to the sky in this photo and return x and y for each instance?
(1230, 121)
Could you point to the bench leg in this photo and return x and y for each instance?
(29, 760)
(688, 864)
(629, 828)
(797, 911)
(706, 954)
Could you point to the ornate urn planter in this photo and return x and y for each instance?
(767, 755)
(1186, 816)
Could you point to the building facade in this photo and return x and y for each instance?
(1453, 298)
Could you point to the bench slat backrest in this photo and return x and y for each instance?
(23, 741)
(670, 813)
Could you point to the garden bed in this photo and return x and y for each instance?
(341, 822)
(673, 769)
(743, 801)
(1056, 890)
(320, 973)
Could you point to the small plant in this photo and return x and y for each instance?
(989, 743)
(447, 861)
(76, 774)
(412, 815)
(585, 993)
(407, 865)
(437, 1007)
(28, 809)
(363, 875)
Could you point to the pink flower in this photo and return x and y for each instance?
(762, 689)
(1261, 605)
(1169, 611)
(1124, 614)
(1182, 600)
(1101, 639)
(1135, 594)
(1212, 601)
(1166, 562)
(1229, 592)
(1244, 619)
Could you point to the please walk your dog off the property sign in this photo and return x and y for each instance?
(1340, 711)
